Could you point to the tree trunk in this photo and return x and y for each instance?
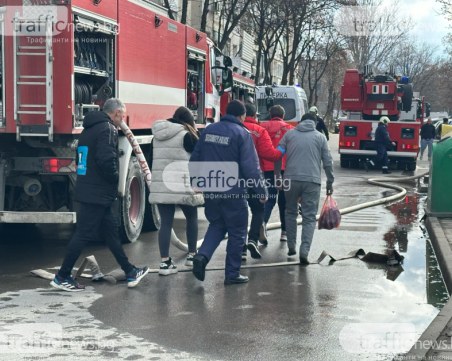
(205, 11)
(183, 18)
(168, 7)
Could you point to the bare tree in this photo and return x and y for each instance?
(267, 25)
(183, 16)
(205, 11)
(414, 61)
(334, 76)
(446, 7)
(171, 6)
(438, 89)
(371, 31)
(230, 12)
(316, 60)
(303, 19)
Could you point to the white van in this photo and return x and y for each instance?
(292, 98)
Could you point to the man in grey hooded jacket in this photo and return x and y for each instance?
(306, 150)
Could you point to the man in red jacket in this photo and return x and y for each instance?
(265, 150)
(276, 128)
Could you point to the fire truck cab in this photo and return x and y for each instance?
(62, 59)
(365, 98)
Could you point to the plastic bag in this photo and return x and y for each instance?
(330, 216)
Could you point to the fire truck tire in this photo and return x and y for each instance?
(345, 163)
(410, 165)
(132, 204)
(407, 97)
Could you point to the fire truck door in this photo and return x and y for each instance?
(196, 85)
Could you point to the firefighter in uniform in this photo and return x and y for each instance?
(320, 124)
(383, 141)
(228, 147)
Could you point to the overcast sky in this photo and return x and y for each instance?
(429, 27)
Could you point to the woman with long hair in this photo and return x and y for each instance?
(174, 140)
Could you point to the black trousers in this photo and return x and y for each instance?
(257, 215)
(94, 220)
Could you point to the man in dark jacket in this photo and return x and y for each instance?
(223, 165)
(320, 124)
(96, 190)
(382, 142)
(428, 133)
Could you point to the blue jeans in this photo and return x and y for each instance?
(427, 143)
(274, 194)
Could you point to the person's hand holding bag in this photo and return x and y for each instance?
(329, 188)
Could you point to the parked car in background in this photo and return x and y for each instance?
(437, 127)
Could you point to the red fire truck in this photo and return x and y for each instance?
(61, 59)
(243, 89)
(365, 98)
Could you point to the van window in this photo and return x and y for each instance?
(287, 104)
(305, 105)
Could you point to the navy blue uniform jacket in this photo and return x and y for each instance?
(229, 141)
(382, 135)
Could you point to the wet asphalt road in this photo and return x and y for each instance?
(287, 312)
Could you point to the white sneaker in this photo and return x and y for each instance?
(283, 237)
(189, 260)
(167, 268)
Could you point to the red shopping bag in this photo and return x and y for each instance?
(330, 216)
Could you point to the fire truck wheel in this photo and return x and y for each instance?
(132, 204)
(411, 166)
(345, 163)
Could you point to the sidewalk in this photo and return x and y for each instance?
(436, 341)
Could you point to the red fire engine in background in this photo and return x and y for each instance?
(243, 89)
(365, 98)
(62, 59)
